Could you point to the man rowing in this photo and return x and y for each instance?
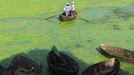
(69, 12)
(67, 9)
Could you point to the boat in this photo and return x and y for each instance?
(120, 53)
(71, 17)
(4, 71)
(21, 65)
(108, 67)
(61, 64)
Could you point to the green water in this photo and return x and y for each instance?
(24, 30)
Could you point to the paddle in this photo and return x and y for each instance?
(59, 55)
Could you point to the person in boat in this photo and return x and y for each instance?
(73, 11)
(67, 9)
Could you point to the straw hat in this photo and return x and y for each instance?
(72, 2)
(67, 3)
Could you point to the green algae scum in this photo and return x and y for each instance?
(24, 30)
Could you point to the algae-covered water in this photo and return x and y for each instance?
(24, 30)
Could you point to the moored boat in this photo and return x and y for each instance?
(21, 65)
(61, 64)
(108, 67)
(121, 53)
(4, 71)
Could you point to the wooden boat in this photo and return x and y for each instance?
(61, 64)
(21, 65)
(121, 53)
(72, 16)
(108, 67)
(4, 71)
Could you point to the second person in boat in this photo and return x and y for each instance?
(73, 11)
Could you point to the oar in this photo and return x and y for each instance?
(50, 17)
(83, 19)
(41, 18)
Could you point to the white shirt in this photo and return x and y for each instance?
(67, 8)
(73, 7)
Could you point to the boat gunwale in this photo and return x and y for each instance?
(128, 58)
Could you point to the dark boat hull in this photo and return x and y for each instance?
(120, 53)
(103, 69)
(21, 65)
(55, 66)
(4, 71)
